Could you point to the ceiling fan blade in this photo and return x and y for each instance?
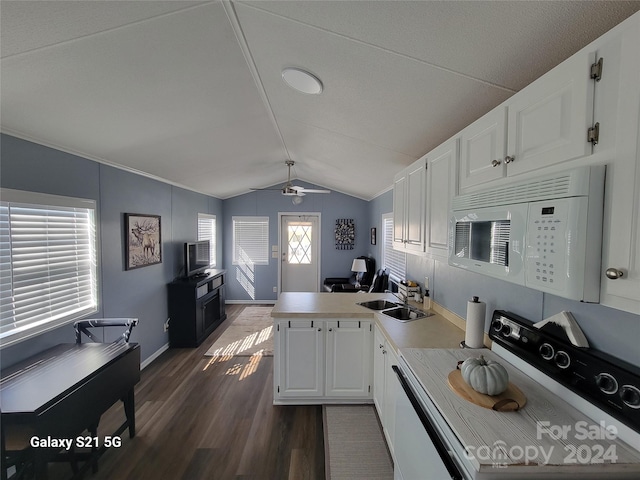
(311, 190)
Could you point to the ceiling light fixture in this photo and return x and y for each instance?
(302, 80)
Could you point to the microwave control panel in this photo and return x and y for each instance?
(547, 244)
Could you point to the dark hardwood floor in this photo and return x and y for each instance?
(201, 419)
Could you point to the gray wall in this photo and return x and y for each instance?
(334, 263)
(139, 293)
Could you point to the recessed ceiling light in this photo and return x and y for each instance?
(302, 80)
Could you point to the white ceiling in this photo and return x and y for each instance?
(191, 92)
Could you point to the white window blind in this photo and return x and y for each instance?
(393, 260)
(48, 262)
(207, 231)
(250, 240)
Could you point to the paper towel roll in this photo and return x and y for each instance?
(474, 331)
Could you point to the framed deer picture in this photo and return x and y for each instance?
(143, 240)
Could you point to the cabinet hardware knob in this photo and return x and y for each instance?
(509, 159)
(384, 352)
(331, 329)
(381, 346)
(495, 163)
(614, 273)
(319, 329)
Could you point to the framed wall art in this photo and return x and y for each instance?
(143, 240)
(373, 235)
(345, 234)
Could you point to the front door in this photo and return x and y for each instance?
(299, 252)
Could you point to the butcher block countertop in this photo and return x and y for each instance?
(441, 330)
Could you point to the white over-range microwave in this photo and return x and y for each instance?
(545, 233)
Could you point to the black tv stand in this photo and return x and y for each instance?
(196, 307)
(197, 276)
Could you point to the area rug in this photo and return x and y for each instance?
(250, 334)
(354, 444)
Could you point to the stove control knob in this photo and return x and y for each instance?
(562, 359)
(506, 330)
(630, 396)
(497, 325)
(546, 351)
(607, 383)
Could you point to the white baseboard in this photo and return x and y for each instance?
(155, 355)
(250, 302)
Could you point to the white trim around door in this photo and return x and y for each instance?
(315, 218)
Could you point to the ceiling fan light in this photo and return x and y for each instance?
(296, 200)
(302, 81)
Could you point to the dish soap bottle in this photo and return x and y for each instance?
(427, 300)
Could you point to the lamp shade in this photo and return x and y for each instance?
(359, 265)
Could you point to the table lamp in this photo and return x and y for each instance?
(359, 266)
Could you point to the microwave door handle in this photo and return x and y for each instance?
(444, 453)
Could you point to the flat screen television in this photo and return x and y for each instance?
(196, 257)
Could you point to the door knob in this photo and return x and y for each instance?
(614, 273)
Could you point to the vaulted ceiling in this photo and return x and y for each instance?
(192, 93)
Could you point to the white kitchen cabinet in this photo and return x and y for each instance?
(320, 361)
(442, 165)
(378, 370)
(348, 359)
(617, 109)
(409, 209)
(300, 362)
(483, 148)
(385, 386)
(548, 121)
(544, 124)
(399, 208)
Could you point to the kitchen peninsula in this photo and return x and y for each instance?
(325, 349)
(435, 331)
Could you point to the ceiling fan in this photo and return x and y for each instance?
(292, 190)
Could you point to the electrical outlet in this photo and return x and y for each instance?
(275, 289)
(166, 324)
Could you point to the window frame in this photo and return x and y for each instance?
(387, 249)
(29, 200)
(213, 243)
(264, 260)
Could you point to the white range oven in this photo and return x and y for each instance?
(581, 418)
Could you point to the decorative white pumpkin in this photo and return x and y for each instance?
(485, 376)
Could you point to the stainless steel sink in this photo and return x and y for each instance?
(378, 304)
(398, 311)
(406, 314)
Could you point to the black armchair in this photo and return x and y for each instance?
(347, 284)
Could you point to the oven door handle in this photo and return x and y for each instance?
(441, 448)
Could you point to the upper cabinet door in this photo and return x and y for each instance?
(617, 108)
(399, 209)
(415, 206)
(441, 188)
(549, 119)
(483, 149)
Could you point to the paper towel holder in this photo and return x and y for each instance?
(463, 343)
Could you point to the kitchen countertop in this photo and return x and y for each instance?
(439, 330)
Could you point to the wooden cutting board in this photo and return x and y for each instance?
(510, 400)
